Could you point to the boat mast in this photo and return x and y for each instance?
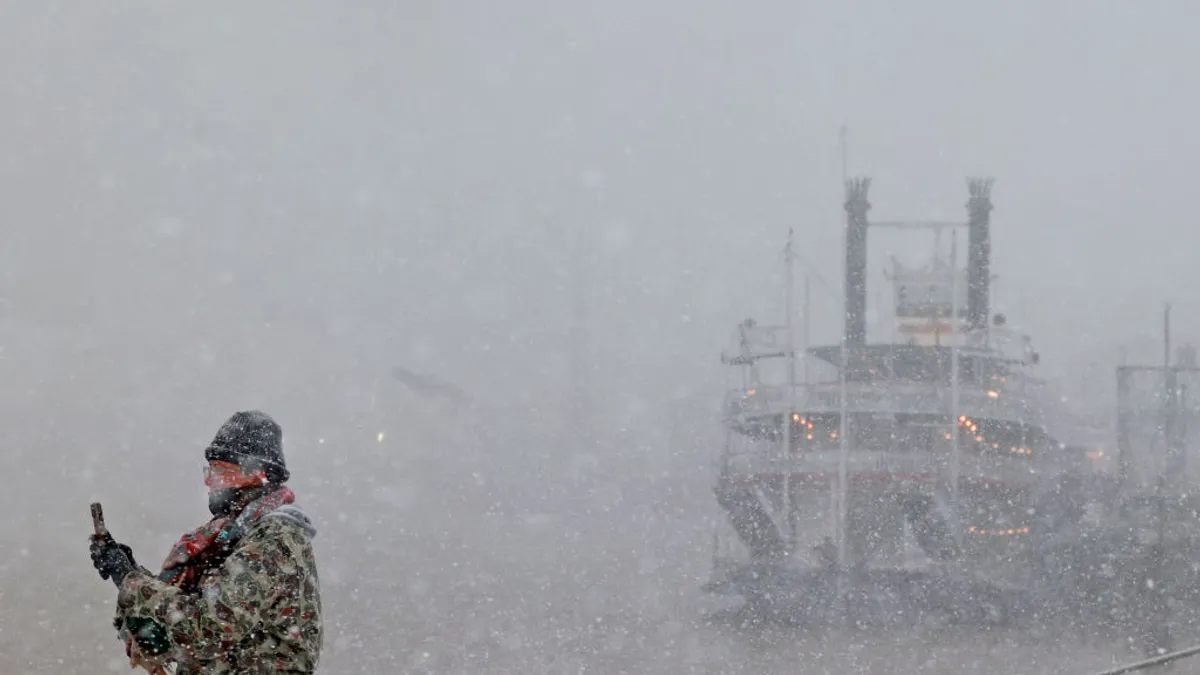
(842, 457)
(785, 420)
(954, 446)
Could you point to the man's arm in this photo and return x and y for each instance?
(205, 626)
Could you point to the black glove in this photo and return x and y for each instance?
(112, 560)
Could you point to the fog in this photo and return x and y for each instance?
(561, 209)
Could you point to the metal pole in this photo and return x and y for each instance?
(1173, 464)
(1156, 661)
(1124, 460)
(807, 323)
(843, 457)
(786, 420)
(954, 449)
(578, 434)
(791, 338)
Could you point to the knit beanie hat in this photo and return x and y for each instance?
(253, 440)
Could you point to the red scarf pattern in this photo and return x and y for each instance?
(207, 546)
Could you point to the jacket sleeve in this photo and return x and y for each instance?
(207, 625)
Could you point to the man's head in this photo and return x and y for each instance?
(247, 452)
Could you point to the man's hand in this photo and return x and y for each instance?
(111, 560)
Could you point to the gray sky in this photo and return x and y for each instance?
(399, 180)
(209, 207)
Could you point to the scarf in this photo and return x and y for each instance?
(207, 546)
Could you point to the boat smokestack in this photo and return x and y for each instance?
(979, 252)
(856, 260)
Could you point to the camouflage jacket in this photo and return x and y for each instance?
(259, 612)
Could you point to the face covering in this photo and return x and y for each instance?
(221, 502)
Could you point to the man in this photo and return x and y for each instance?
(239, 594)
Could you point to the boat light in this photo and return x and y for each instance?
(1003, 532)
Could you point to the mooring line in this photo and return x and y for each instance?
(1156, 661)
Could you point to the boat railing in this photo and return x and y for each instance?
(909, 456)
(910, 398)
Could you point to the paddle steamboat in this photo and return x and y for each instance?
(929, 448)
